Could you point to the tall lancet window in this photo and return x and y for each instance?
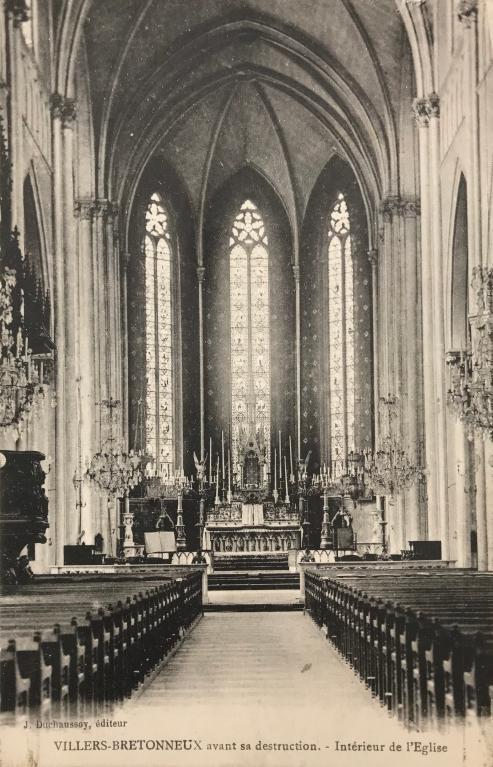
(341, 404)
(159, 334)
(250, 347)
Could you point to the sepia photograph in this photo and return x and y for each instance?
(246, 383)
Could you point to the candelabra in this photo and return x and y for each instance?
(389, 470)
(21, 374)
(111, 470)
(470, 392)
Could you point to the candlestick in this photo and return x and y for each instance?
(216, 500)
(280, 458)
(275, 469)
(222, 452)
(286, 499)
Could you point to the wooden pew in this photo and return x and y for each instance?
(74, 651)
(408, 643)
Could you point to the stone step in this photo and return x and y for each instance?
(253, 607)
(253, 580)
(251, 562)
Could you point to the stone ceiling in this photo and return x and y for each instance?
(213, 85)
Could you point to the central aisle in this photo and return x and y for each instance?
(260, 659)
(270, 682)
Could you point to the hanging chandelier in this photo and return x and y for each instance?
(111, 470)
(470, 392)
(21, 374)
(389, 470)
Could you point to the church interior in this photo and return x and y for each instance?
(246, 325)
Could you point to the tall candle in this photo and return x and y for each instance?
(217, 475)
(210, 460)
(229, 471)
(275, 469)
(222, 451)
(286, 476)
(280, 458)
(291, 456)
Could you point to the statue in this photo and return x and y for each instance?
(307, 556)
(303, 466)
(200, 466)
(198, 558)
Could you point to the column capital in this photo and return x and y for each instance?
(296, 272)
(410, 207)
(390, 206)
(373, 256)
(19, 10)
(434, 105)
(84, 208)
(201, 274)
(426, 108)
(467, 12)
(420, 112)
(105, 209)
(64, 109)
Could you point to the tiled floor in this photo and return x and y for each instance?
(260, 678)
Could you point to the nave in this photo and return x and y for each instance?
(271, 679)
(144, 661)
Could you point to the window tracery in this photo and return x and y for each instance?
(340, 315)
(250, 342)
(159, 335)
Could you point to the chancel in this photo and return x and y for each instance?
(246, 361)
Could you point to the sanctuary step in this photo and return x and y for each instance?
(241, 581)
(265, 561)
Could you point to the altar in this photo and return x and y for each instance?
(242, 527)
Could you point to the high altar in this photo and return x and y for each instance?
(252, 526)
(251, 516)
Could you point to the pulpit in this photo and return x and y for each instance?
(23, 510)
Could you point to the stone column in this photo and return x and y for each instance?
(200, 278)
(373, 259)
(99, 248)
(421, 113)
(72, 323)
(391, 209)
(84, 212)
(57, 521)
(480, 460)
(112, 301)
(411, 404)
(488, 468)
(105, 510)
(124, 262)
(15, 14)
(65, 309)
(296, 274)
(438, 269)
(468, 15)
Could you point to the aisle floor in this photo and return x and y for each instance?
(271, 682)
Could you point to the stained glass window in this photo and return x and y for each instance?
(159, 334)
(341, 394)
(250, 349)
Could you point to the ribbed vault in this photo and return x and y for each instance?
(310, 79)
